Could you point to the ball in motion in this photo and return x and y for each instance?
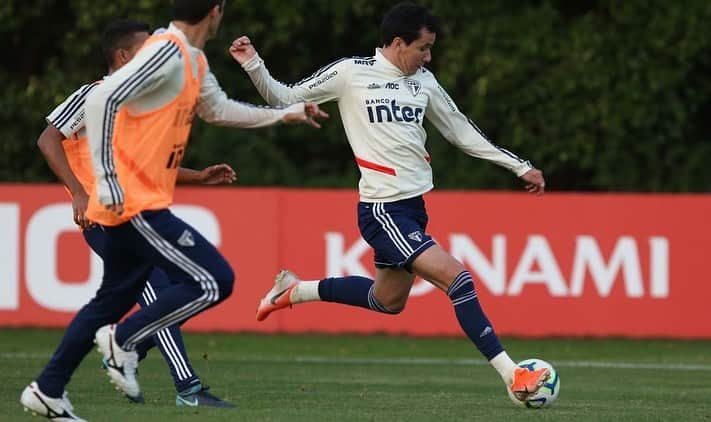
(547, 394)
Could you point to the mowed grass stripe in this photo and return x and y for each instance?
(422, 361)
(314, 378)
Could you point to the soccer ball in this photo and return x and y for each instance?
(547, 394)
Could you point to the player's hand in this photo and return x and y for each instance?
(217, 174)
(308, 116)
(80, 202)
(111, 197)
(242, 49)
(536, 183)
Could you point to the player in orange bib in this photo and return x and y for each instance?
(65, 147)
(138, 121)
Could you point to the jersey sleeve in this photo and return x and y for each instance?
(326, 84)
(146, 72)
(216, 108)
(68, 117)
(460, 131)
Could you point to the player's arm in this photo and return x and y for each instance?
(216, 108)
(213, 175)
(463, 133)
(326, 84)
(150, 69)
(50, 143)
(63, 122)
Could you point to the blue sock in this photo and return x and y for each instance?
(471, 317)
(352, 290)
(168, 340)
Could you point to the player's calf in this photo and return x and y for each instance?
(289, 290)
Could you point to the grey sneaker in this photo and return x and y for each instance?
(198, 395)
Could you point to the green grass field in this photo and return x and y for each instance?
(380, 378)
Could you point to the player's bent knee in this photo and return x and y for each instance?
(225, 279)
(389, 308)
(395, 311)
(226, 289)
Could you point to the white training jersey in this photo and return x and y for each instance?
(68, 117)
(153, 79)
(383, 111)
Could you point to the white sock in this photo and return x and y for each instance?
(504, 366)
(305, 291)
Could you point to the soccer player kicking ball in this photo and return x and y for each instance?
(383, 101)
(65, 147)
(137, 122)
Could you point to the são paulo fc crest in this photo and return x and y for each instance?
(186, 239)
(414, 86)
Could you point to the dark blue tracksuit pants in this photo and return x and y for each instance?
(171, 269)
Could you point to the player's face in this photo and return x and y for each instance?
(417, 53)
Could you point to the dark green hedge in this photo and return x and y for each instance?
(602, 95)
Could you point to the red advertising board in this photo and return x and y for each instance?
(581, 264)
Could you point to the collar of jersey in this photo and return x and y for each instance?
(387, 65)
(177, 32)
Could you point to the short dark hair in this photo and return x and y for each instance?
(405, 20)
(193, 11)
(119, 34)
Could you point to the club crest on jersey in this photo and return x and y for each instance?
(416, 236)
(186, 239)
(414, 86)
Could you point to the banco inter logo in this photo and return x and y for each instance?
(387, 110)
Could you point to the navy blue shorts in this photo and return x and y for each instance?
(395, 230)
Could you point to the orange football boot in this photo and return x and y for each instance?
(279, 296)
(527, 382)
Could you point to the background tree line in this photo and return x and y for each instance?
(602, 95)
